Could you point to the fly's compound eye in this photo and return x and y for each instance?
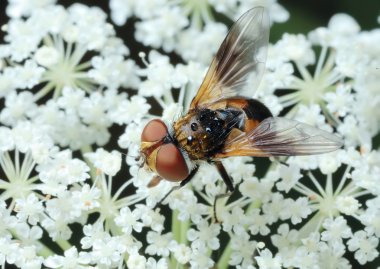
(170, 163)
(154, 130)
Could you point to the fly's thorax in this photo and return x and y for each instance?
(201, 133)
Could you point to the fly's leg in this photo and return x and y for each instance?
(229, 183)
(226, 178)
(183, 183)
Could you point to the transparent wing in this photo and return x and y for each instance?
(281, 137)
(239, 64)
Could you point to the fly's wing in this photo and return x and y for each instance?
(240, 61)
(280, 137)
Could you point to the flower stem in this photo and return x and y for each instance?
(223, 260)
(184, 228)
(176, 230)
(44, 251)
(64, 244)
(179, 230)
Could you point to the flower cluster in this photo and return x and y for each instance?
(73, 193)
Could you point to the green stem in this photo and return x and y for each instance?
(44, 251)
(223, 260)
(185, 225)
(179, 229)
(176, 230)
(176, 226)
(64, 244)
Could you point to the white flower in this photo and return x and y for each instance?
(258, 223)
(233, 220)
(28, 75)
(347, 205)
(127, 111)
(158, 244)
(341, 101)
(8, 250)
(289, 176)
(159, 75)
(29, 209)
(297, 48)
(28, 234)
(277, 13)
(343, 24)
(255, 189)
(285, 238)
(18, 8)
(239, 168)
(266, 260)
(332, 256)
(211, 36)
(7, 142)
(336, 230)
(273, 208)
(61, 170)
(129, 220)
(71, 260)
(7, 80)
(93, 110)
(131, 139)
(151, 218)
(207, 235)
(182, 253)
(353, 132)
(88, 197)
(64, 207)
(242, 250)
(153, 264)
(312, 115)
(371, 219)
(306, 259)
(364, 247)
(27, 257)
(18, 108)
(109, 163)
(135, 260)
(114, 71)
(188, 206)
(172, 112)
(199, 259)
(46, 56)
(161, 30)
(295, 210)
(58, 41)
(120, 11)
(107, 252)
(329, 163)
(71, 99)
(27, 135)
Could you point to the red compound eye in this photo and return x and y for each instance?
(170, 163)
(154, 130)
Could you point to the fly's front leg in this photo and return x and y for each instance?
(229, 183)
(226, 178)
(183, 183)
